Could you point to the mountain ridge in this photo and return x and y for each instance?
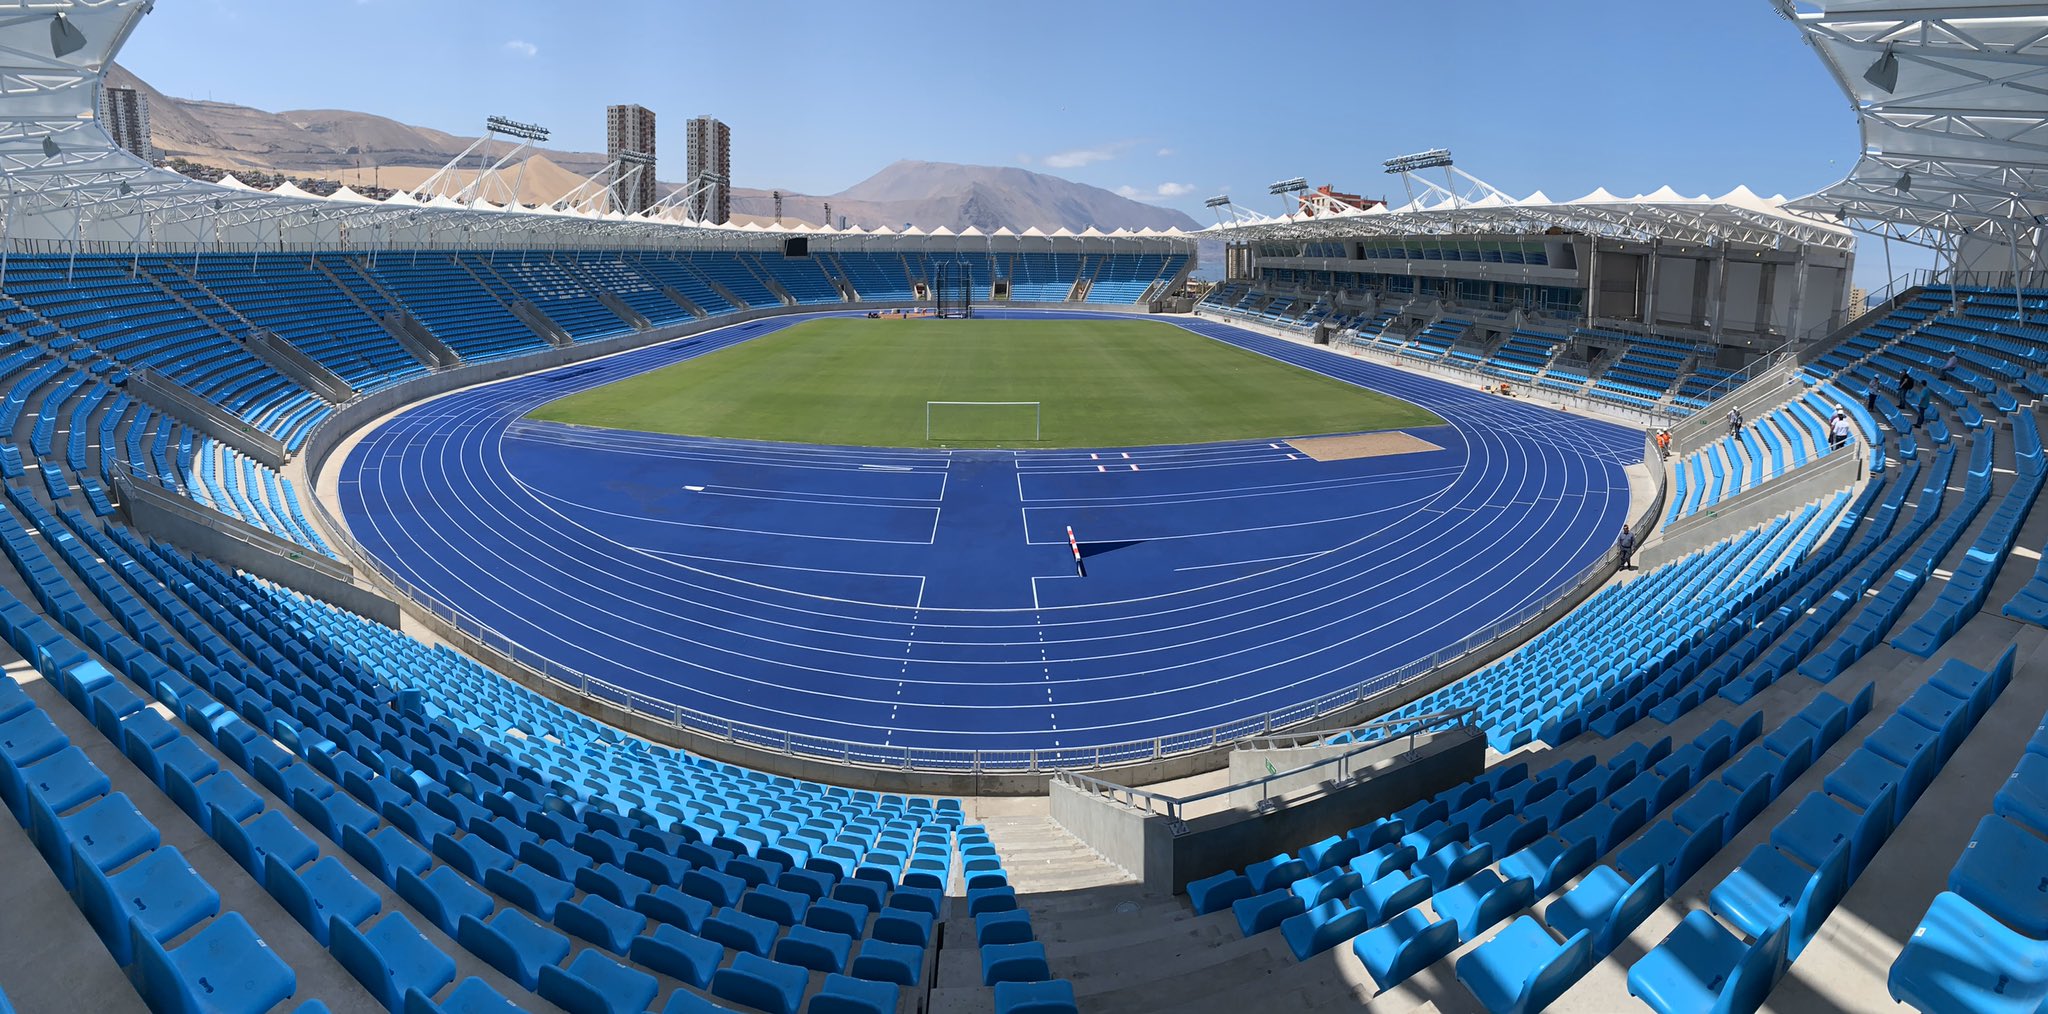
(364, 148)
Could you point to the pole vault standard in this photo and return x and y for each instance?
(1079, 570)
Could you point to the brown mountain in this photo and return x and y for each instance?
(332, 143)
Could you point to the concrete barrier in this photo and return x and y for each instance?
(1754, 506)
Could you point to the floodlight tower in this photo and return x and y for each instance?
(1285, 187)
(526, 134)
(1434, 158)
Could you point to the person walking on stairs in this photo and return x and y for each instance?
(1625, 547)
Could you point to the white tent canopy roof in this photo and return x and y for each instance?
(1952, 101)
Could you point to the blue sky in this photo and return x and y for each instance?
(1171, 102)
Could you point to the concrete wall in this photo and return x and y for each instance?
(215, 538)
(1753, 507)
(1760, 394)
(1165, 855)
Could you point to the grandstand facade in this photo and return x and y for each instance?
(1796, 760)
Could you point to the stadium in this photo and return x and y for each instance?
(432, 599)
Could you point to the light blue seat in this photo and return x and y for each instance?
(1214, 894)
(1453, 863)
(1607, 906)
(1331, 852)
(1548, 862)
(1321, 928)
(223, 969)
(1961, 959)
(1481, 901)
(1379, 862)
(1336, 882)
(760, 983)
(320, 893)
(391, 958)
(1394, 893)
(2004, 872)
(270, 834)
(1523, 968)
(1680, 852)
(1404, 945)
(1262, 912)
(1701, 966)
(595, 983)
(1276, 872)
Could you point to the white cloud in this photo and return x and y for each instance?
(523, 49)
(1165, 152)
(1079, 157)
(1162, 192)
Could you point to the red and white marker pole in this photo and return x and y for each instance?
(1073, 544)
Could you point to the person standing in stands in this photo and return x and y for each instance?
(1870, 399)
(1838, 430)
(1949, 366)
(1625, 547)
(1734, 422)
(1663, 443)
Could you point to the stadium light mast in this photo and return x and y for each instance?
(526, 134)
(1285, 187)
(1434, 158)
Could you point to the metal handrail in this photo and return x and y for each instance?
(1175, 807)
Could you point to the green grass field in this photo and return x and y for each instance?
(1099, 383)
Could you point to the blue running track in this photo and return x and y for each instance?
(927, 599)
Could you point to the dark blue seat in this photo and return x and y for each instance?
(530, 889)
(882, 961)
(160, 896)
(1012, 927)
(105, 834)
(815, 949)
(1701, 966)
(988, 899)
(611, 883)
(2024, 797)
(601, 921)
(270, 834)
(740, 931)
(470, 996)
(1961, 959)
(842, 994)
(596, 984)
(719, 889)
(384, 853)
(513, 944)
(1013, 963)
(471, 854)
(901, 926)
(443, 897)
(223, 969)
(391, 958)
(841, 917)
(1404, 945)
(63, 780)
(668, 905)
(785, 908)
(673, 951)
(762, 984)
(1523, 968)
(320, 893)
(1053, 997)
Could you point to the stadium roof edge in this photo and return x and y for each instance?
(1951, 98)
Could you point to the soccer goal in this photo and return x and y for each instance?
(982, 420)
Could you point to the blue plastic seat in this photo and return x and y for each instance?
(1331, 852)
(1276, 872)
(1262, 912)
(882, 961)
(530, 889)
(161, 895)
(223, 969)
(762, 984)
(1453, 863)
(1012, 927)
(271, 834)
(1680, 852)
(1404, 945)
(443, 897)
(843, 994)
(676, 952)
(988, 899)
(1023, 962)
(1961, 959)
(602, 922)
(1607, 906)
(902, 927)
(105, 834)
(845, 917)
(1481, 901)
(594, 983)
(1523, 968)
(1548, 862)
(391, 958)
(1701, 966)
(2024, 797)
(1382, 860)
(815, 949)
(740, 931)
(2004, 872)
(513, 943)
(1321, 928)
(1819, 825)
(1052, 997)
(320, 893)
(1214, 894)
(470, 996)
(782, 907)
(1336, 882)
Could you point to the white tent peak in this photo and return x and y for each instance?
(1598, 196)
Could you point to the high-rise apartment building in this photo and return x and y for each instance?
(630, 128)
(125, 114)
(710, 155)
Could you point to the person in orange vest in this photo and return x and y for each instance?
(1664, 443)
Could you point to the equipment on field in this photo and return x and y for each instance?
(953, 289)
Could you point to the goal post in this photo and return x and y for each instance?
(983, 420)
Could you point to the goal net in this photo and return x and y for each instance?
(982, 420)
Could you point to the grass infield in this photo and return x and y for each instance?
(1100, 383)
